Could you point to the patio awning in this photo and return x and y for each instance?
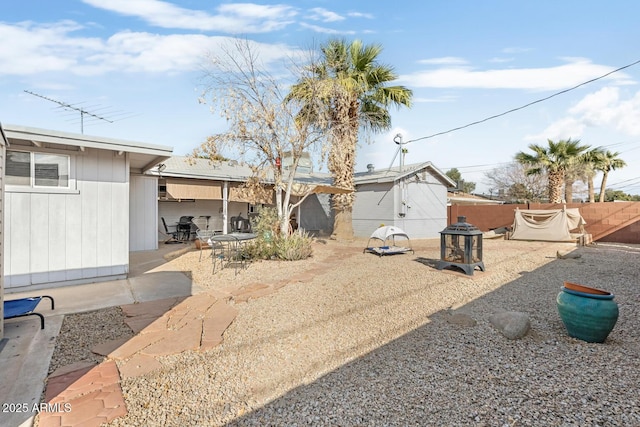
(198, 189)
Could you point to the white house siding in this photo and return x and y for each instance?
(426, 211)
(315, 214)
(374, 205)
(143, 213)
(78, 236)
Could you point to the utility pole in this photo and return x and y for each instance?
(398, 140)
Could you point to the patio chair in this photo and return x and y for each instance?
(173, 235)
(204, 240)
(24, 307)
(200, 223)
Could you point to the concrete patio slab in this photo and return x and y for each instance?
(24, 363)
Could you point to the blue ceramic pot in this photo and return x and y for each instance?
(587, 316)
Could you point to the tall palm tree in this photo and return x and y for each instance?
(347, 90)
(609, 161)
(555, 160)
(592, 159)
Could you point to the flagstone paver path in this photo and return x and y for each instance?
(87, 395)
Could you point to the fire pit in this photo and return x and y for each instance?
(461, 247)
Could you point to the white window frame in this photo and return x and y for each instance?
(32, 187)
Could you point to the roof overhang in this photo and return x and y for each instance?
(142, 157)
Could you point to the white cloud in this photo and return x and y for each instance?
(445, 60)
(500, 60)
(576, 71)
(230, 18)
(55, 48)
(324, 30)
(568, 127)
(360, 15)
(324, 15)
(37, 48)
(604, 110)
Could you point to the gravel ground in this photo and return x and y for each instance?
(365, 340)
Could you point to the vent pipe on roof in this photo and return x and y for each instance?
(370, 167)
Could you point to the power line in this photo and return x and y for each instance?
(526, 105)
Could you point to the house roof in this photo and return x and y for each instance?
(184, 167)
(394, 173)
(143, 156)
(470, 199)
(3, 137)
(228, 170)
(232, 171)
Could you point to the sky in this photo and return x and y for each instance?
(137, 66)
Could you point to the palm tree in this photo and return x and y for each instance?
(608, 161)
(345, 92)
(591, 160)
(555, 160)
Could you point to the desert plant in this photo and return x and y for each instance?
(294, 247)
(269, 244)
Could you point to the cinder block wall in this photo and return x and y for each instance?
(606, 222)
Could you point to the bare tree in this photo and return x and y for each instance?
(513, 181)
(262, 127)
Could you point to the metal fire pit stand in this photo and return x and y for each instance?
(461, 246)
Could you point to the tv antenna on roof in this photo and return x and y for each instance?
(84, 113)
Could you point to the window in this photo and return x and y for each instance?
(37, 169)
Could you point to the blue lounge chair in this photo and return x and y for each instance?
(24, 307)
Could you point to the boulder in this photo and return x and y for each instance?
(461, 319)
(568, 254)
(512, 324)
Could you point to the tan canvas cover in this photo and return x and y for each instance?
(550, 225)
(198, 189)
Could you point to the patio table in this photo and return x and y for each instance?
(230, 249)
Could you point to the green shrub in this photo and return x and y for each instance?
(294, 247)
(269, 244)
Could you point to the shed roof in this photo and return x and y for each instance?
(394, 174)
(143, 157)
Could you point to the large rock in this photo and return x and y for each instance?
(570, 254)
(461, 319)
(512, 324)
